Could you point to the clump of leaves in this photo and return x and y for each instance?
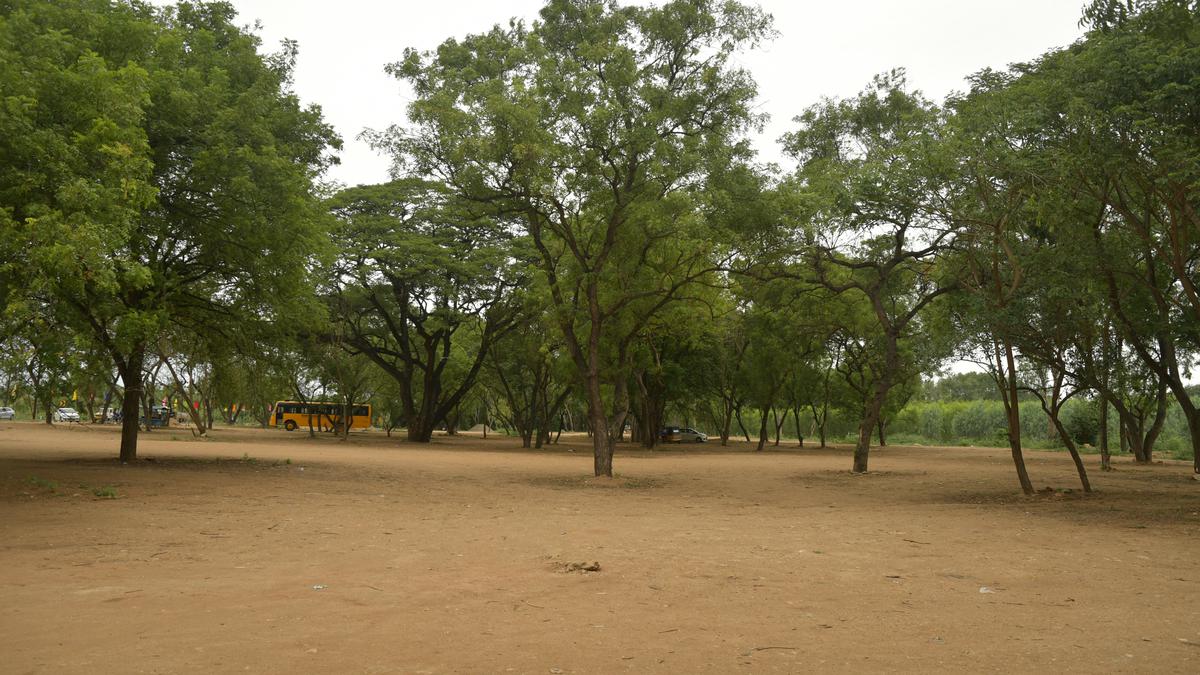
(247, 459)
(106, 492)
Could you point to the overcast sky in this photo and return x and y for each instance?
(824, 49)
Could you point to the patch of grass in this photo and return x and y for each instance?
(43, 483)
(106, 492)
(1174, 448)
(247, 459)
(640, 483)
(583, 481)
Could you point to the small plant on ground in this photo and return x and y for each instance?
(42, 483)
(106, 492)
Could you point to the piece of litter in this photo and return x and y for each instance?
(319, 587)
(985, 589)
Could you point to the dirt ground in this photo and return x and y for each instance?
(264, 551)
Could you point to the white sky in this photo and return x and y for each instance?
(824, 49)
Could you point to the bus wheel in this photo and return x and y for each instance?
(290, 425)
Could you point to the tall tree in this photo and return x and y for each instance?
(417, 276)
(161, 178)
(1118, 128)
(871, 176)
(597, 127)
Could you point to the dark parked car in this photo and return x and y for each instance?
(681, 435)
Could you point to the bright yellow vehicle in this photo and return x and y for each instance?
(322, 415)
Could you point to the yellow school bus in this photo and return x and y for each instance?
(322, 415)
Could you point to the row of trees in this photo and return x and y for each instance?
(578, 228)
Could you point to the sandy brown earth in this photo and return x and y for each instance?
(377, 556)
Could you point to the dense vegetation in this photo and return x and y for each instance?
(578, 235)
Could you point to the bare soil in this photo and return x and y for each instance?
(264, 551)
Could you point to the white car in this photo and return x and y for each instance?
(66, 415)
(7, 413)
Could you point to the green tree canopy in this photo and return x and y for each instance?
(158, 171)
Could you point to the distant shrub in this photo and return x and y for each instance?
(980, 420)
(1082, 421)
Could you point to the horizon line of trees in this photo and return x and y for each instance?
(578, 233)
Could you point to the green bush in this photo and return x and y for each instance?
(1082, 421)
(980, 420)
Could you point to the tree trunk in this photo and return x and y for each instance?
(1052, 409)
(1135, 440)
(1105, 455)
(602, 446)
(762, 430)
(737, 413)
(799, 431)
(866, 428)
(131, 376)
(873, 411)
(1070, 443)
(603, 443)
(1140, 456)
(1193, 420)
(419, 431)
(1160, 416)
(779, 422)
(1008, 390)
(726, 424)
(881, 424)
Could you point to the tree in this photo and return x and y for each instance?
(871, 178)
(162, 179)
(722, 356)
(417, 275)
(1120, 128)
(524, 368)
(597, 127)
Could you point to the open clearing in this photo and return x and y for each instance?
(379, 556)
